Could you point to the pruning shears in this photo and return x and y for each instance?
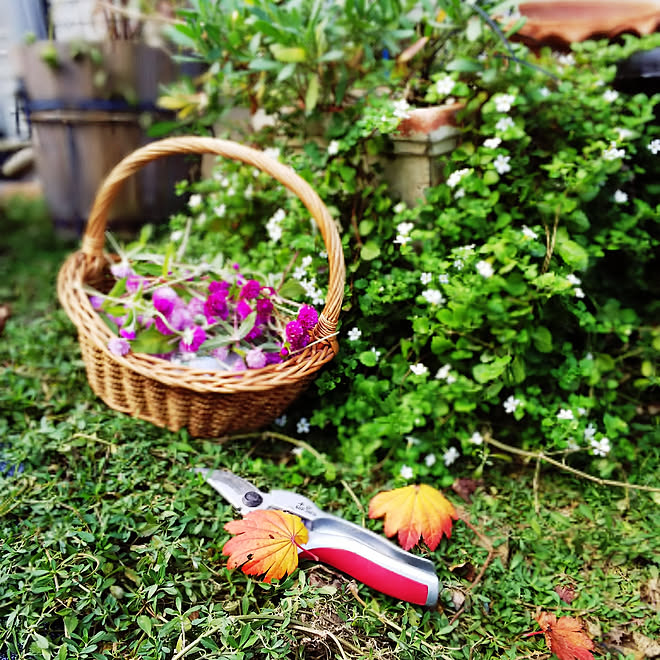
(358, 552)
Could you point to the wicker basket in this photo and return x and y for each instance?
(207, 403)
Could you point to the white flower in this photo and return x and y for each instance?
(177, 235)
(248, 191)
(544, 91)
(273, 152)
(625, 133)
(443, 278)
(354, 334)
(503, 102)
(458, 264)
(654, 146)
(450, 456)
(484, 269)
(476, 438)
(281, 421)
(620, 197)
(400, 207)
(578, 292)
(323, 254)
(501, 164)
(298, 451)
(406, 472)
(306, 261)
(612, 153)
(511, 404)
(303, 425)
(455, 177)
(573, 279)
(412, 440)
(425, 278)
(528, 233)
(429, 460)
(220, 210)
(443, 372)
(419, 369)
(376, 353)
(504, 124)
(567, 59)
(492, 143)
(402, 239)
(195, 201)
(601, 447)
(610, 95)
(581, 411)
(433, 296)
(445, 85)
(273, 226)
(405, 227)
(565, 413)
(400, 109)
(590, 432)
(459, 193)
(333, 148)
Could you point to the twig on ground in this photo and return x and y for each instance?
(540, 456)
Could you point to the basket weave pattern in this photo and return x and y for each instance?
(207, 403)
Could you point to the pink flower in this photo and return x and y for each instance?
(216, 306)
(193, 338)
(255, 358)
(308, 317)
(121, 270)
(296, 335)
(118, 346)
(219, 287)
(164, 299)
(96, 301)
(250, 290)
(243, 310)
(135, 282)
(264, 310)
(128, 333)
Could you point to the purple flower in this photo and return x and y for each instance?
(255, 358)
(135, 282)
(216, 306)
(121, 270)
(250, 290)
(162, 327)
(118, 346)
(220, 353)
(243, 310)
(308, 317)
(118, 320)
(96, 301)
(128, 333)
(219, 287)
(164, 299)
(264, 310)
(193, 338)
(255, 333)
(273, 358)
(180, 318)
(196, 307)
(296, 335)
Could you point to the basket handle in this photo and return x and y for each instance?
(94, 237)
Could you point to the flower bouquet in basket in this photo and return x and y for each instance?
(208, 347)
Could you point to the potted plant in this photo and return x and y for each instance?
(91, 103)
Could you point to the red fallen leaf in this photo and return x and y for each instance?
(565, 637)
(465, 487)
(414, 512)
(267, 542)
(567, 594)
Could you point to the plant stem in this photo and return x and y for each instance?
(540, 456)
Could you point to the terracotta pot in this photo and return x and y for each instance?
(558, 24)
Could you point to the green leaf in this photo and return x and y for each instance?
(571, 252)
(312, 94)
(70, 624)
(473, 30)
(42, 642)
(151, 341)
(246, 325)
(291, 289)
(369, 251)
(368, 358)
(464, 65)
(145, 623)
(288, 53)
(542, 339)
(484, 372)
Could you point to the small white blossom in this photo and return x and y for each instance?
(544, 92)
(445, 85)
(567, 59)
(610, 95)
(511, 404)
(484, 269)
(405, 227)
(458, 264)
(455, 177)
(590, 432)
(612, 153)
(443, 372)
(400, 207)
(443, 279)
(376, 353)
(654, 146)
(195, 201)
(504, 124)
(298, 451)
(476, 438)
(574, 279)
(303, 425)
(248, 191)
(565, 413)
(354, 334)
(620, 197)
(450, 456)
(402, 239)
(433, 296)
(581, 411)
(528, 233)
(601, 447)
(273, 152)
(406, 472)
(426, 278)
(503, 102)
(333, 148)
(220, 210)
(177, 235)
(412, 440)
(578, 292)
(281, 421)
(400, 109)
(323, 254)
(492, 143)
(201, 219)
(419, 369)
(460, 193)
(429, 460)
(625, 133)
(501, 164)
(274, 225)
(306, 261)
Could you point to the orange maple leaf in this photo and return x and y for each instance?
(565, 637)
(414, 511)
(267, 542)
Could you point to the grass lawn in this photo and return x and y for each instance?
(111, 546)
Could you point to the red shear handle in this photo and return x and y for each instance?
(374, 575)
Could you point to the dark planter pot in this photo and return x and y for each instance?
(86, 114)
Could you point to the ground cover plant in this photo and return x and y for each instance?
(498, 341)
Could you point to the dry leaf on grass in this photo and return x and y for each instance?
(565, 637)
(414, 512)
(265, 542)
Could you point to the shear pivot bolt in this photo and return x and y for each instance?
(252, 498)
